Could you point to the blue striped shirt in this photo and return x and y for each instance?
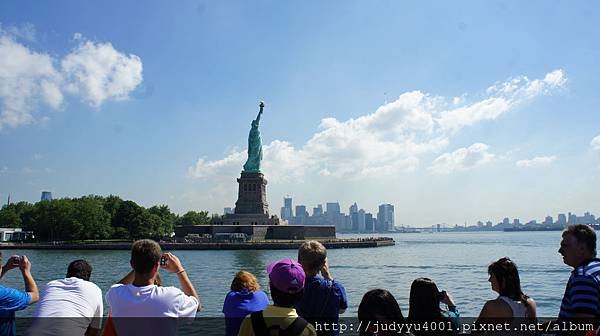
(582, 295)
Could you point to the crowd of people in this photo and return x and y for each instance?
(306, 299)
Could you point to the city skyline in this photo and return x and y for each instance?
(480, 110)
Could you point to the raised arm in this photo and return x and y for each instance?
(173, 265)
(261, 105)
(30, 285)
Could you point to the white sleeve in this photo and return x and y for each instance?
(97, 319)
(187, 307)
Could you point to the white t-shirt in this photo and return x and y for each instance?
(148, 301)
(74, 302)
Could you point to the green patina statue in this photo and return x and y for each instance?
(254, 145)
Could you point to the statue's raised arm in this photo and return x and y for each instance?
(261, 105)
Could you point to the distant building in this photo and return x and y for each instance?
(385, 217)
(15, 234)
(361, 221)
(369, 222)
(548, 220)
(46, 196)
(287, 212)
(562, 220)
(318, 211)
(301, 215)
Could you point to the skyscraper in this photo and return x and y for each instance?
(385, 217)
(301, 215)
(46, 196)
(286, 211)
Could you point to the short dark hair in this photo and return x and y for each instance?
(79, 269)
(583, 234)
(145, 253)
(312, 255)
(283, 299)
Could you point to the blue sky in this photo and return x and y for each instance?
(453, 112)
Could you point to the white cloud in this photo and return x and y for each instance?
(536, 161)
(25, 31)
(3, 170)
(98, 72)
(501, 98)
(462, 159)
(26, 78)
(38, 156)
(595, 143)
(94, 71)
(390, 140)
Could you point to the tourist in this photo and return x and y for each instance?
(581, 299)
(424, 306)
(137, 295)
(286, 282)
(512, 305)
(324, 298)
(245, 297)
(379, 310)
(12, 299)
(75, 298)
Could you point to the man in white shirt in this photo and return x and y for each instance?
(69, 306)
(137, 295)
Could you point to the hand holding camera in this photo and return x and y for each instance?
(446, 298)
(171, 263)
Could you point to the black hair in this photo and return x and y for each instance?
(509, 284)
(80, 269)
(424, 301)
(283, 299)
(378, 305)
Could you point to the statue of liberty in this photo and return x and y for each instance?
(254, 145)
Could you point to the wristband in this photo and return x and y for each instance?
(183, 270)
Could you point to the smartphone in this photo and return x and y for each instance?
(16, 261)
(163, 260)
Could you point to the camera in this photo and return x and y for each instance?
(16, 261)
(163, 260)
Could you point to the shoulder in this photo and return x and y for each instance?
(309, 330)
(591, 269)
(496, 308)
(531, 307)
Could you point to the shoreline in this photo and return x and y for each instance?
(257, 245)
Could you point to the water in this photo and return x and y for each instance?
(457, 262)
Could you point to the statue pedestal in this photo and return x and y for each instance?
(251, 207)
(252, 194)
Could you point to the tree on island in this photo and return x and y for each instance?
(95, 218)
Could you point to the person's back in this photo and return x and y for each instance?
(138, 306)
(244, 298)
(286, 281)
(324, 298)
(128, 300)
(68, 306)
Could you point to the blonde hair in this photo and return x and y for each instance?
(244, 280)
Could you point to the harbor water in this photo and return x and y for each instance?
(457, 262)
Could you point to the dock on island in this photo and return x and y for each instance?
(221, 245)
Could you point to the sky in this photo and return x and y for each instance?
(453, 112)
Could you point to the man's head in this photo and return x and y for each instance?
(286, 280)
(578, 244)
(145, 256)
(79, 269)
(311, 256)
